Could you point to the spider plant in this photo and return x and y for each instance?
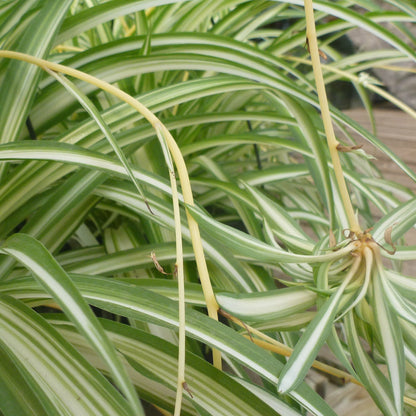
(165, 162)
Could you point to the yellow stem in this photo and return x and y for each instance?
(179, 272)
(162, 411)
(316, 364)
(326, 117)
(275, 346)
(70, 48)
(396, 68)
(271, 344)
(211, 302)
(212, 305)
(325, 368)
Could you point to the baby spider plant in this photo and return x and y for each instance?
(365, 274)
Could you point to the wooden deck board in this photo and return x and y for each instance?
(397, 130)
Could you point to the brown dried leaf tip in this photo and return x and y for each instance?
(342, 148)
(332, 239)
(156, 263)
(187, 389)
(389, 241)
(348, 233)
(321, 53)
(238, 321)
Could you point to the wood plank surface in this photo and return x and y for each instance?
(397, 130)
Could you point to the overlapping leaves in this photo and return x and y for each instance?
(222, 79)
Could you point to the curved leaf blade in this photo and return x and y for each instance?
(372, 378)
(265, 306)
(49, 273)
(212, 390)
(21, 80)
(63, 380)
(391, 339)
(138, 303)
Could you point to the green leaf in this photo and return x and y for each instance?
(13, 13)
(125, 260)
(63, 152)
(212, 390)
(369, 374)
(63, 381)
(405, 284)
(61, 215)
(217, 74)
(248, 247)
(138, 303)
(21, 79)
(400, 219)
(319, 166)
(401, 303)
(269, 398)
(391, 339)
(362, 21)
(104, 12)
(288, 230)
(122, 194)
(16, 396)
(267, 306)
(309, 345)
(39, 261)
(64, 211)
(96, 116)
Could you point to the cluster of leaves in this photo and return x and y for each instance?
(82, 225)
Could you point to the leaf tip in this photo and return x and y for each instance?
(284, 386)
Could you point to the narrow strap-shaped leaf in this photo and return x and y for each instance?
(409, 337)
(390, 337)
(16, 396)
(238, 278)
(12, 14)
(336, 347)
(402, 305)
(123, 260)
(95, 114)
(401, 219)
(319, 165)
(63, 213)
(406, 285)
(372, 378)
(278, 218)
(63, 381)
(139, 303)
(264, 306)
(247, 215)
(50, 274)
(313, 338)
(104, 12)
(55, 221)
(363, 21)
(268, 398)
(156, 359)
(20, 82)
(251, 248)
